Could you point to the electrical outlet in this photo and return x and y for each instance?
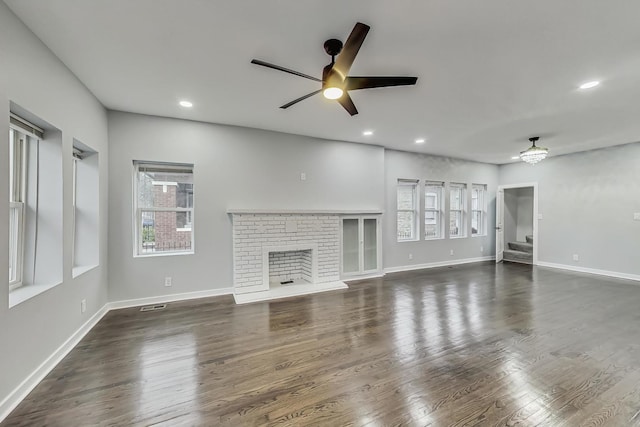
(83, 306)
(167, 281)
(303, 176)
(636, 216)
(481, 249)
(410, 256)
(576, 257)
(451, 252)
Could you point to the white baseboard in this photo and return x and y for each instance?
(607, 273)
(438, 264)
(115, 305)
(21, 391)
(363, 277)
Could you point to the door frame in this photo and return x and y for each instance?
(536, 216)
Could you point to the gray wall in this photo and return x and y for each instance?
(524, 224)
(234, 167)
(510, 216)
(32, 77)
(403, 165)
(587, 201)
(518, 214)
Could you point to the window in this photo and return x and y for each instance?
(457, 207)
(433, 210)
(86, 203)
(478, 210)
(164, 208)
(35, 204)
(17, 177)
(407, 208)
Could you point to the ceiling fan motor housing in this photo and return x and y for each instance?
(333, 47)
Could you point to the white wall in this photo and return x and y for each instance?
(587, 201)
(32, 77)
(403, 165)
(234, 167)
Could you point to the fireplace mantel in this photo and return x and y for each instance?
(241, 211)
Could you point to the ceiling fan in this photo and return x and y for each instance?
(336, 83)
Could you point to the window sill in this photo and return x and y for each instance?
(427, 239)
(163, 254)
(457, 237)
(81, 269)
(26, 292)
(408, 240)
(478, 235)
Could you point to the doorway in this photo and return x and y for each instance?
(517, 223)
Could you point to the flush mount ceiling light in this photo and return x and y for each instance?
(534, 154)
(367, 133)
(420, 141)
(589, 85)
(515, 158)
(186, 104)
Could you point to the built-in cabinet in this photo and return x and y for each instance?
(360, 243)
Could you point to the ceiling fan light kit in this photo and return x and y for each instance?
(534, 154)
(336, 82)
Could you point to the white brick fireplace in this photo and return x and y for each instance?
(298, 247)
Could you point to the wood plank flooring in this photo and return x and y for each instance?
(479, 344)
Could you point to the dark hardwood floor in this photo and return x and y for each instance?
(477, 344)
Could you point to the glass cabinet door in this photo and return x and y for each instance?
(370, 243)
(350, 246)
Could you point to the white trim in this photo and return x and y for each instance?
(18, 394)
(305, 211)
(349, 279)
(116, 305)
(598, 272)
(438, 264)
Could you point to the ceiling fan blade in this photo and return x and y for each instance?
(286, 70)
(302, 98)
(355, 83)
(350, 49)
(346, 101)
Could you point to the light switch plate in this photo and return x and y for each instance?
(636, 216)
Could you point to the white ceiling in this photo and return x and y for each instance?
(491, 73)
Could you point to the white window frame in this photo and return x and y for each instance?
(17, 195)
(438, 211)
(481, 211)
(415, 231)
(138, 211)
(454, 186)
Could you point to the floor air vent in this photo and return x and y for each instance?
(153, 307)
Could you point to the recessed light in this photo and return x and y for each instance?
(420, 141)
(589, 85)
(186, 104)
(515, 157)
(367, 133)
